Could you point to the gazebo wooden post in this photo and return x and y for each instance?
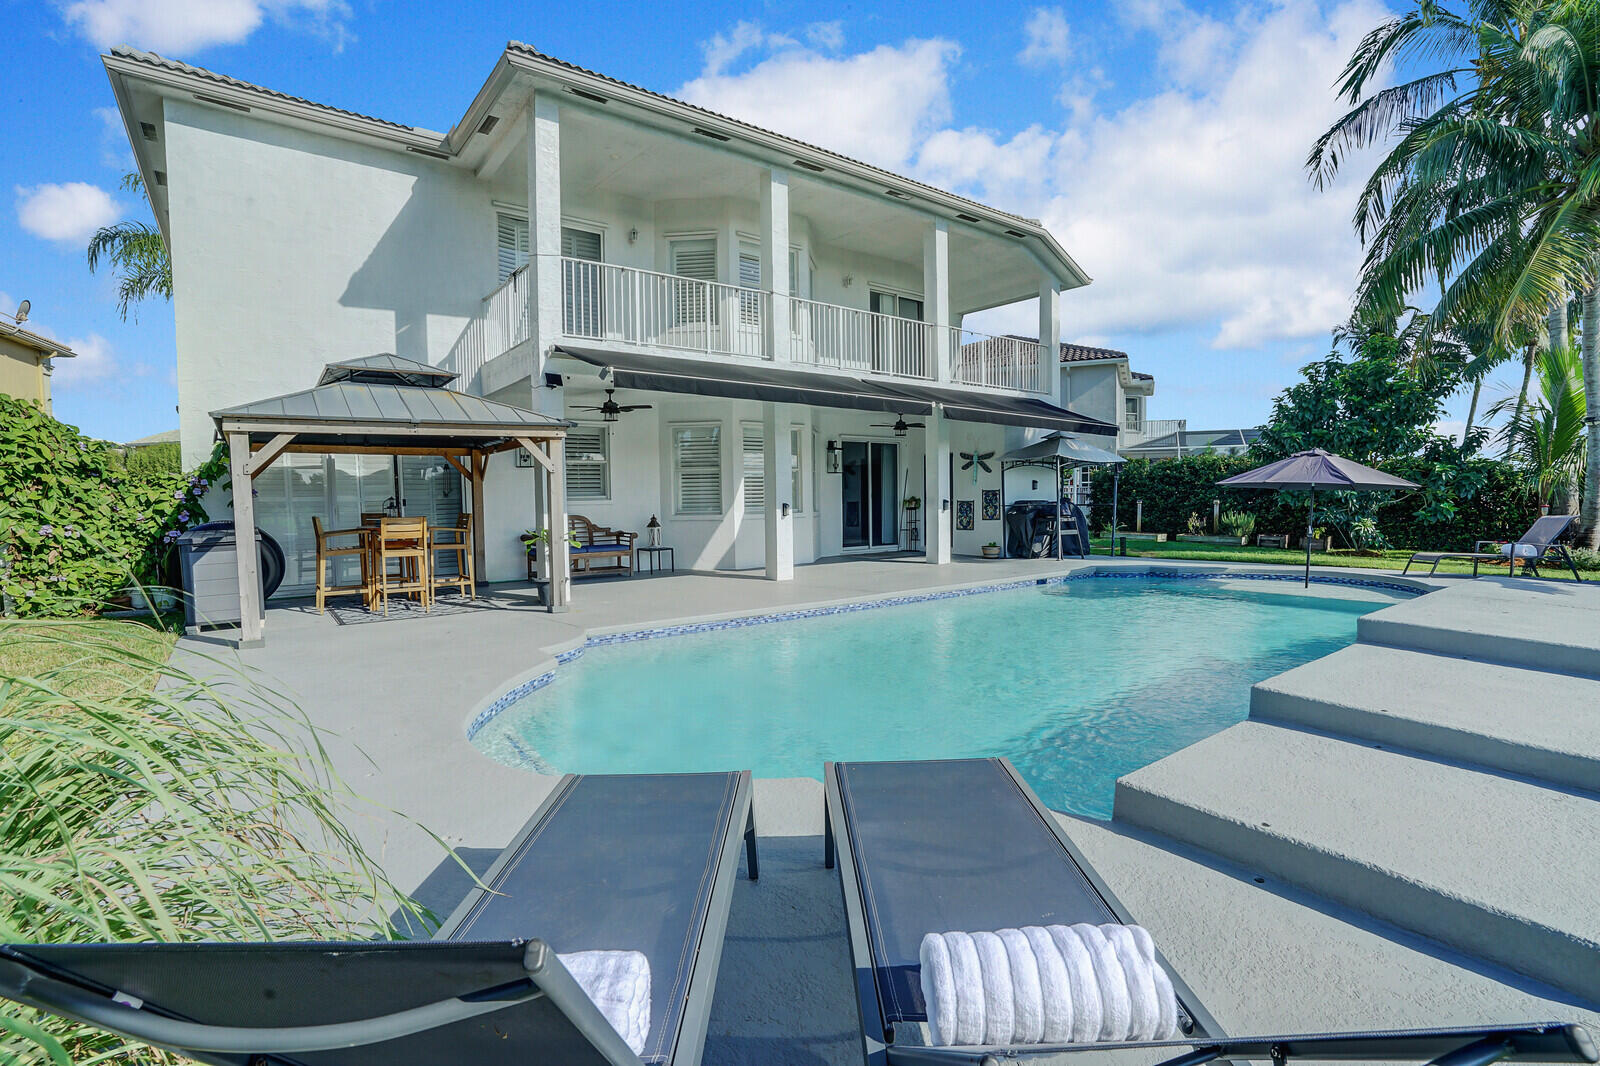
(560, 562)
(244, 529)
(480, 535)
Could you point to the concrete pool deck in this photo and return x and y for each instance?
(398, 695)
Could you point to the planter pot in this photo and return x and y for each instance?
(991, 551)
(1322, 544)
(1196, 538)
(153, 599)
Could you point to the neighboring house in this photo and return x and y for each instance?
(26, 360)
(1190, 441)
(773, 317)
(170, 436)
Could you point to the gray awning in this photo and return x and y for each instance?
(746, 381)
(1066, 448)
(348, 414)
(1001, 409)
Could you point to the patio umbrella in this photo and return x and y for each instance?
(1311, 470)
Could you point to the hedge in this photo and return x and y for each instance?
(1460, 502)
(76, 527)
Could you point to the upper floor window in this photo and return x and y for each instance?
(512, 238)
(1130, 410)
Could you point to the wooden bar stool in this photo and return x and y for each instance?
(457, 539)
(404, 542)
(328, 555)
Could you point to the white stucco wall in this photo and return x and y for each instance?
(291, 249)
(1094, 390)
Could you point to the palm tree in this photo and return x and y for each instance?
(1548, 433)
(137, 255)
(1494, 181)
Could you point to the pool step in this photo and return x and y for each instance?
(1545, 726)
(1499, 868)
(1494, 621)
(1265, 956)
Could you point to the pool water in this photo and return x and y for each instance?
(1077, 683)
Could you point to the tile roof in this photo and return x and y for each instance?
(1083, 353)
(161, 62)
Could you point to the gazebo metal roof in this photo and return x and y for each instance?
(386, 368)
(1066, 448)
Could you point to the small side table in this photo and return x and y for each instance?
(655, 559)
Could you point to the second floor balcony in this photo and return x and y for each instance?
(649, 310)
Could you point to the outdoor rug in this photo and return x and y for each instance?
(354, 614)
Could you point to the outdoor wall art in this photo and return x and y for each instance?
(963, 514)
(991, 505)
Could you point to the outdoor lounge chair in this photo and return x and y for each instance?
(642, 862)
(1541, 541)
(965, 844)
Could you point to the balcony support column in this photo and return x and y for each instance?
(937, 508)
(1050, 339)
(544, 238)
(775, 331)
(777, 457)
(936, 301)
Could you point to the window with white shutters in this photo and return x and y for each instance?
(512, 238)
(582, 309)
(797, 451)
(696, 259)
(588, 463)
(697, 469)
(749, 278)
(755, 470)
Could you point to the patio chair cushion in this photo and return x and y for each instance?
(601, 548)
(952, 845)
(622, 862)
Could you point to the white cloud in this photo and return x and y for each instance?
(1048, 38)
(878, 105)
(68, 212)
(93, 364)
(176, 27)
(828, 36)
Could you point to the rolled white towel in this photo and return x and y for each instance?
(619, 984)
(1521, 551)
(1057, 984)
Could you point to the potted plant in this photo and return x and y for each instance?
(991, 550)
(1321, 541)
(1238, 525)
(532, 538)
(912, 503)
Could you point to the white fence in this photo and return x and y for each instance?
(862, 341)
(601, 301)
(999, 362)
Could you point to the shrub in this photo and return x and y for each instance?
(76, 528)
(1238, 523)
(1586, 558)
(164, 458)
(147, 804)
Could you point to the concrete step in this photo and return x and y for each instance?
(1499, 868)
(1268, 957)
(1490, 620)
(1541, 725)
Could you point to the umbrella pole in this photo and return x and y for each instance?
(1311, 523)
(1116, 483)
(1058, 509)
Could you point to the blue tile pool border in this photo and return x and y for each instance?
(534, 684)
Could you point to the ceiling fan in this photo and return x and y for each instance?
(900, 425)
(979, 458)
(611, 408)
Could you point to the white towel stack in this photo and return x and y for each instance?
(619, 984)
(1055, 984)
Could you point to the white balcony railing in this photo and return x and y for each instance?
(849, 338)
(501, 325)
(999, 362)
(602, 301)
(1136, 431)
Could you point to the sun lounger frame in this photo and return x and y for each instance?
(538, 974)
(1540, 1042)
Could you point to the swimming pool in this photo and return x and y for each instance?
(1078, 683)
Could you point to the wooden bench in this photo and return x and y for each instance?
(598, 544)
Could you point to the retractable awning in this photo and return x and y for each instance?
(746, 381)
(1003, 410)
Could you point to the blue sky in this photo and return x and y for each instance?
(1160, 140)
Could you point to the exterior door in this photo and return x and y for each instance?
(582, 277)
(897, 343)
(870, 490)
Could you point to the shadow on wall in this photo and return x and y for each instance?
(436, 260)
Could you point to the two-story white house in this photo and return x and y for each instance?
(759, 341)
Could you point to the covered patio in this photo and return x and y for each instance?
(386, 405)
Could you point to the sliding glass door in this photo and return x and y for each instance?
(870, 488)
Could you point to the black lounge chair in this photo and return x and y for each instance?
(1542, 541)
(642, 862)
(965, 844)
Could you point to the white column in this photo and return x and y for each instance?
(1050, 338)
(244, 540)
(936, 295)
(938, 508)
(776, 455)
(544, 228)
(775, 267)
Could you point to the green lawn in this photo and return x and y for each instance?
(89, 658)
(1147, 548)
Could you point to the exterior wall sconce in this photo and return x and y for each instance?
(786, 510)
(633, 235)
(848, 280)
(944, 505)
(833, 456)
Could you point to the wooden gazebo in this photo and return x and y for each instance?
(387, 405)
